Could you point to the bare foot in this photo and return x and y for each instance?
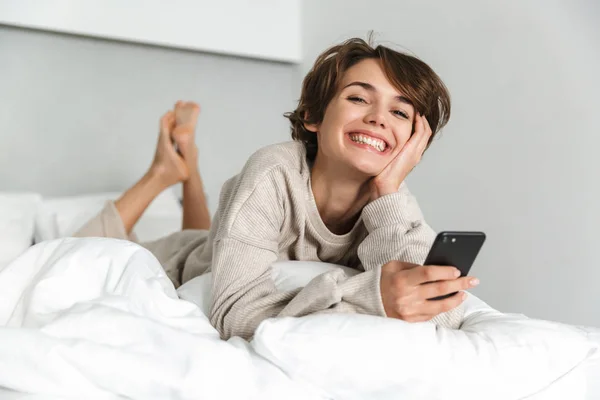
(169, 166)
(186, 117)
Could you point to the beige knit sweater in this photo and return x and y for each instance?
(267, 213)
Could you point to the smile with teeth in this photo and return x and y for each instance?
(375, 143)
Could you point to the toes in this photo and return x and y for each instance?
(194, 108)
(167, 120)
(182, 131)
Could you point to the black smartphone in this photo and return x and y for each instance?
(456, 249)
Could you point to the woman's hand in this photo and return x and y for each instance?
(389, 180)
(406, 288)
(168, 167)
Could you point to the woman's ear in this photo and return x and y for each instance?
(310, 127)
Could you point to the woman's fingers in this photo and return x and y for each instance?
(426, 310)
(415, 138)
(406, 159)
(419, 127)
(422, 135)
(412, 151)
(430, 273)
(406, 290)
(427, 136)
(416, 145)
(442, 288)
(433, 308)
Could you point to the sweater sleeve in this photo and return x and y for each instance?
(244, 293)
(397, 231)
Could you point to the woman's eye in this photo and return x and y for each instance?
(356, 99)
(400, 114)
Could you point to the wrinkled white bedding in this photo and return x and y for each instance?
(98, 318)
(591, 368)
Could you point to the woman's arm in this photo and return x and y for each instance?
(245, 246)
(398, 241)
(397, 230)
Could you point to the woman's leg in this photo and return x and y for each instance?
(195, 209)
(170, 166)
(167, 169)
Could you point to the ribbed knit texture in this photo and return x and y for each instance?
(267, 213)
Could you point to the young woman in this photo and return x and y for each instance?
(334, 194)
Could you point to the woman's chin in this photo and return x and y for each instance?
(367, 169)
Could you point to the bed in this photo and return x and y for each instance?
(118, 329)
(27, 218)
(591, 369)
(581, 384)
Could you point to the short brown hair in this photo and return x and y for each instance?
(415, 79)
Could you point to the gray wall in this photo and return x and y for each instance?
(519, 158)
(80, 115)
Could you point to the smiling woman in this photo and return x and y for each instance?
(335, 194)
(355, 71)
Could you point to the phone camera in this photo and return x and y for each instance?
(453, 240)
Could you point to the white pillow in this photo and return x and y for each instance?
(592, 366)
(17, 221)
(350, 356)
(198, 291)
(63, 216)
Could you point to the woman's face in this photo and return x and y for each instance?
(367, 122)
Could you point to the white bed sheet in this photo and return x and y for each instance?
(117, 326)
(130, 272)
(591, 368)
(585, 379)
(12, 395)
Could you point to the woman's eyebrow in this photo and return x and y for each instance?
(371, 88)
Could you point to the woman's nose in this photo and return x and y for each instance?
(376, 118)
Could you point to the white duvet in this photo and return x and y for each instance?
(95, 318)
